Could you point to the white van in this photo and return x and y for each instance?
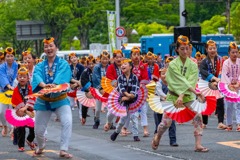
(64, 54)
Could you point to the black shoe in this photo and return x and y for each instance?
(113, 137)
(174, 144)
(112, 127)
(88, 115)
(136, 138)
(96, 124)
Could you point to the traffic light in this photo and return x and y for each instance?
(184, 13)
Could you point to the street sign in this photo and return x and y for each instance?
(120, 32)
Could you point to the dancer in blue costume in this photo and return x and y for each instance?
(47, 74)
(8, 72)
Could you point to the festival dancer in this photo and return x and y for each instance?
(8, 73)
(77, 70)
(161, 90)
(20, 103)
(210, 70)
(86, 82)
(99, 71)
(47, 74)
(113, 72)
(152, 67)
(181, 77)
(128, 86)
(231, 76)
(141, 72)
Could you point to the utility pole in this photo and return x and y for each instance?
(181, 11)
(228, 14)
(117, 8)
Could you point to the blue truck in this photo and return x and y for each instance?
(162, 44)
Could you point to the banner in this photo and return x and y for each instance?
(111, 17)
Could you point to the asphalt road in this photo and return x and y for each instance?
(87, 143)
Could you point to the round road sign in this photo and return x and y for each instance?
(120, 32)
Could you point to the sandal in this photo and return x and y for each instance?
(238, 128)
(65, 155)
(21, 149)
(83, 121)
(38, 152)
(146, 134)
(31, 145)
(203, 150)
(106, 127)
(4, 131)
(229, 128)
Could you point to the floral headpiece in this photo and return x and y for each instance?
(23, 70)
(233, 45)
(211, 43)
(126, 61)
(169, 59)
(116, 51)
(39, 60)
(198, 56)
(183, 40)
(1, 55)
(9, 50)
(48, 40)
(25, 53)
(150, 55)
(225, 57)
(105, 54)
(136, 50)
(72, 54)
(90, 57)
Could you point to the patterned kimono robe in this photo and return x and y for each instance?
(61, 74)
(113, 72)
(153, 72)
(18, 100)
(131, 86)
(230, 71)
(180, 77)
(141, 73)
(8, 75)
(208, 70)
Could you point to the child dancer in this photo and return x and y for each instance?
(99, 71)
(230, 76)
(19, 103)
(128, 86)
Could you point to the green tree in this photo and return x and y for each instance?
(211, 26)
(234, 24)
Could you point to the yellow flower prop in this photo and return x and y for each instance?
(23, 70)
(9, 50)
(48, 40)
(126, 61)
(183, 40)
(233, 45)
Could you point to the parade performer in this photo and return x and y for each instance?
(141, 72)
(210, 70)
(231, 76)
(181, 77)
(77, 70)
(99, 71)
(113, 72)
(20, 104)
(8, 73)
(86, 82)
(47, 74)
(128, 86)
(161, 90)
(152, 67)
